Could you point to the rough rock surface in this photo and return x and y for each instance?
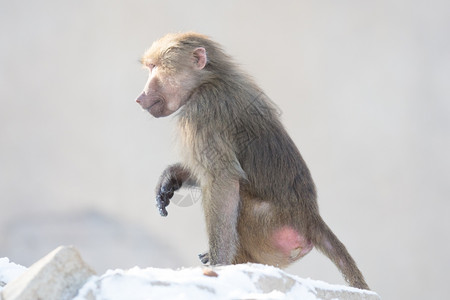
(58, 276)
(62, 275)
(245, 281)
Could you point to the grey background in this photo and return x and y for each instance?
(363, 88)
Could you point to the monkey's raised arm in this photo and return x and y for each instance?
(170, 181)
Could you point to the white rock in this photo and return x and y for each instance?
(9, 271)
(245, 281)
(57, 276)
(62, 275)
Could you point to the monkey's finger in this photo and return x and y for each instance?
(162, 200)
(168, 196)
(163, 212)
(166, 193)
(161, 204)
(166, 200)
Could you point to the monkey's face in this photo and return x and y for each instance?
(170, 82)
(162, 94)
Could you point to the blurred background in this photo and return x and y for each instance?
(363, 88)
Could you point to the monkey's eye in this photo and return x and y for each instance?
(151, 67)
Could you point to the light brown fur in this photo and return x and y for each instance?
(258, 195)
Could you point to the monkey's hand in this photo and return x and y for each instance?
(164, 195)
(204, 257)
(171, 180)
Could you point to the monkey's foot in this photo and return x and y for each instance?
(204, 257)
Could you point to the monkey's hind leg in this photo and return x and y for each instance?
(243, 257)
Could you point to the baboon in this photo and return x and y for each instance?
(258, 196)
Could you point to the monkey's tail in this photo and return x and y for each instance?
(327, 242)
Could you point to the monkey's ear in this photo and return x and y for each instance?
(200, 58)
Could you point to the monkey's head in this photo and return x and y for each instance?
(176, 65)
